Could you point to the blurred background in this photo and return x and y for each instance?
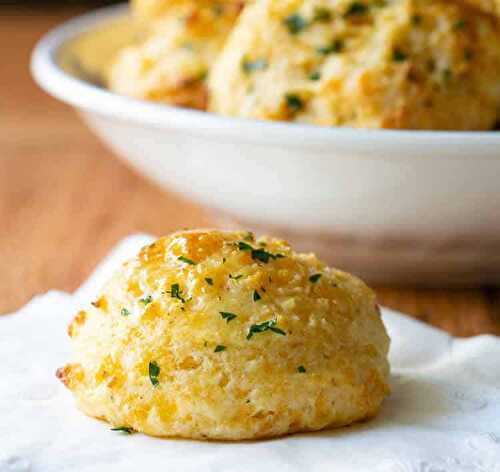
(65, 200)
(42, 4)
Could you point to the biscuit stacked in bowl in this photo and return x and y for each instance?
(403, 64)
(171, 63)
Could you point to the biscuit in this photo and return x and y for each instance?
(182, 40)
(404, 64)
(217, 335)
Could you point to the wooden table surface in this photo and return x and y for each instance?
(65, 200)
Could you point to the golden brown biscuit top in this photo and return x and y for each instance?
(241, 285)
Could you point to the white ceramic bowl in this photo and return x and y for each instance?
(392, 206)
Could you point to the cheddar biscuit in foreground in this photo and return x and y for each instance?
(209, 334)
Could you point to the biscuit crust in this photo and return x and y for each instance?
(173, 61)
(216, 335)
(407, 64)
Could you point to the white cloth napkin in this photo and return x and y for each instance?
(443, 414)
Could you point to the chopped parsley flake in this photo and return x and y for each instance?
(252, 66)
(459, 25)
(335, 47)
(416, 20)
(209, 281)
(186, 260)
(269, 325)
(123, 429)
(219, 348)
(322, 14)
(264, 256)
(293, 102)
(218, 10)
(468, 54)
(243, 246)
(295, 23)
(176, 292)
(301, 369)
(398, 55)
(447, 75)
(203, 74)
(228, 316)
(154, 372)
(258, 254)
(314, 278)
(146, 300)
(125, 312)
(356, 8)
(249, 236)
(235, 277)
(256, 296)
(314, 75)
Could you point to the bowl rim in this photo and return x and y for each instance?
(91, 98)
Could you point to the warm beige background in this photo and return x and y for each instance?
(65, 200)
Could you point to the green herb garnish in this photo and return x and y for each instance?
(356, 8)
(468, 54)
(322, 14)
(203, 74)
(124, 312)
(154, 372)
(293, 102)
(335, 47)
(398, 55)
(249, 236)
(228, 316)
(265, 326)
(447, 74)
(219, 348)
(301, 369)
(176, 292)
(186, 260)
(314, 76)
(146, 300)
(314, 278)
(123, 429)
(243, 246)
(459, 25)
(209, 281)
(218, 10)
(248, 66)
(416, 20)
(295, 23)
(264, 256)
(258, 254)
(235, 277)
(256, 296)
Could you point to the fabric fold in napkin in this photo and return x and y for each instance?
(443, 414)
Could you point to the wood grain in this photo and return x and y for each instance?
(65, 199)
